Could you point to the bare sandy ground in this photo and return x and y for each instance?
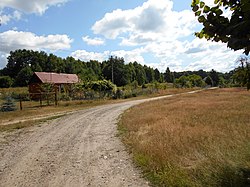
(79, 149)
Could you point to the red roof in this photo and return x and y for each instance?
(57, 78)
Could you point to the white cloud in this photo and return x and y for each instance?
(12, 40)
(166, 35)
(34, 6)
(129, 56)
(154, 20)
(209, 55)
(209, 2)
(3, 59)
(112, 24)
(5, 18)
(86, 56)
(93, 41)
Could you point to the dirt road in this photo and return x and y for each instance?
(80, 149)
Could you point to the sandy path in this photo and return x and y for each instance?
(80, 149)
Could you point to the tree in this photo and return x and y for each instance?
(157, 75)
(115, 70)
(150, 74)
(140, 73)
(96, 67)
(196, 80)
(16, 62)
(242, 73)
(24, 76)
(19, 59)
(215, 77)
(168, 76)
(182, 81)
(5, 82)
(209, 81)
(234, 30)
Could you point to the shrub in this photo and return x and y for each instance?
(5, 82)
(8, 105)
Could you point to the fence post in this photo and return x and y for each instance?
(56, 101)
(41, 104)
(20, 100)
(47, 96)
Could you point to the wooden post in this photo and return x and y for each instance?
(47, 96)
(56, 101)
(21, 104)
(41, 103)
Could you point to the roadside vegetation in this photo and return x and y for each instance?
(32, 109)
(199, 139)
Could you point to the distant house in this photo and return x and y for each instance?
(59, 81)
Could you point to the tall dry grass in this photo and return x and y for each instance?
(200, 139)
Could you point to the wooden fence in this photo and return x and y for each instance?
(49, 98)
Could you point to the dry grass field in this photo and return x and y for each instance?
(200, 139)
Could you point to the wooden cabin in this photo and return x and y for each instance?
(60, 82)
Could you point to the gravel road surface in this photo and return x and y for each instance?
(79, 149)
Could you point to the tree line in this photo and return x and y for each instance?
(22, 63)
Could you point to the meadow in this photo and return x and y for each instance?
(200, 139)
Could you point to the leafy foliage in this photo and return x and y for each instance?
(242, 73)
(5, 82)
(101, 85)
(8, 105)
(233, 30)
(209, 81)
(24, 76)
(22, 63)
(189, 81)
(168, 76)
(114, 69)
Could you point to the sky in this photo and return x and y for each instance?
(156, 33)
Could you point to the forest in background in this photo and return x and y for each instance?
(22, 63)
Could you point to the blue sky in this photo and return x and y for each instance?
(158, 33)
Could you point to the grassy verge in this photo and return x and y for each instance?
(33, 112)
(25, 124)
(20, 125)
(200, 139)
(32, 109)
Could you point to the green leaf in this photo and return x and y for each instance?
(201, 19)
(218, 12)
(206, 9)
(197, 2)
(202, 4)
(193, 3)
(207, 36)
(214, 9)
(198, 13)
(195, 8)
(216, 1)
(199, 35)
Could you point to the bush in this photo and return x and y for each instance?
(5, 82)
(8, 105)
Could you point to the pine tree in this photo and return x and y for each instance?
(8, 105)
